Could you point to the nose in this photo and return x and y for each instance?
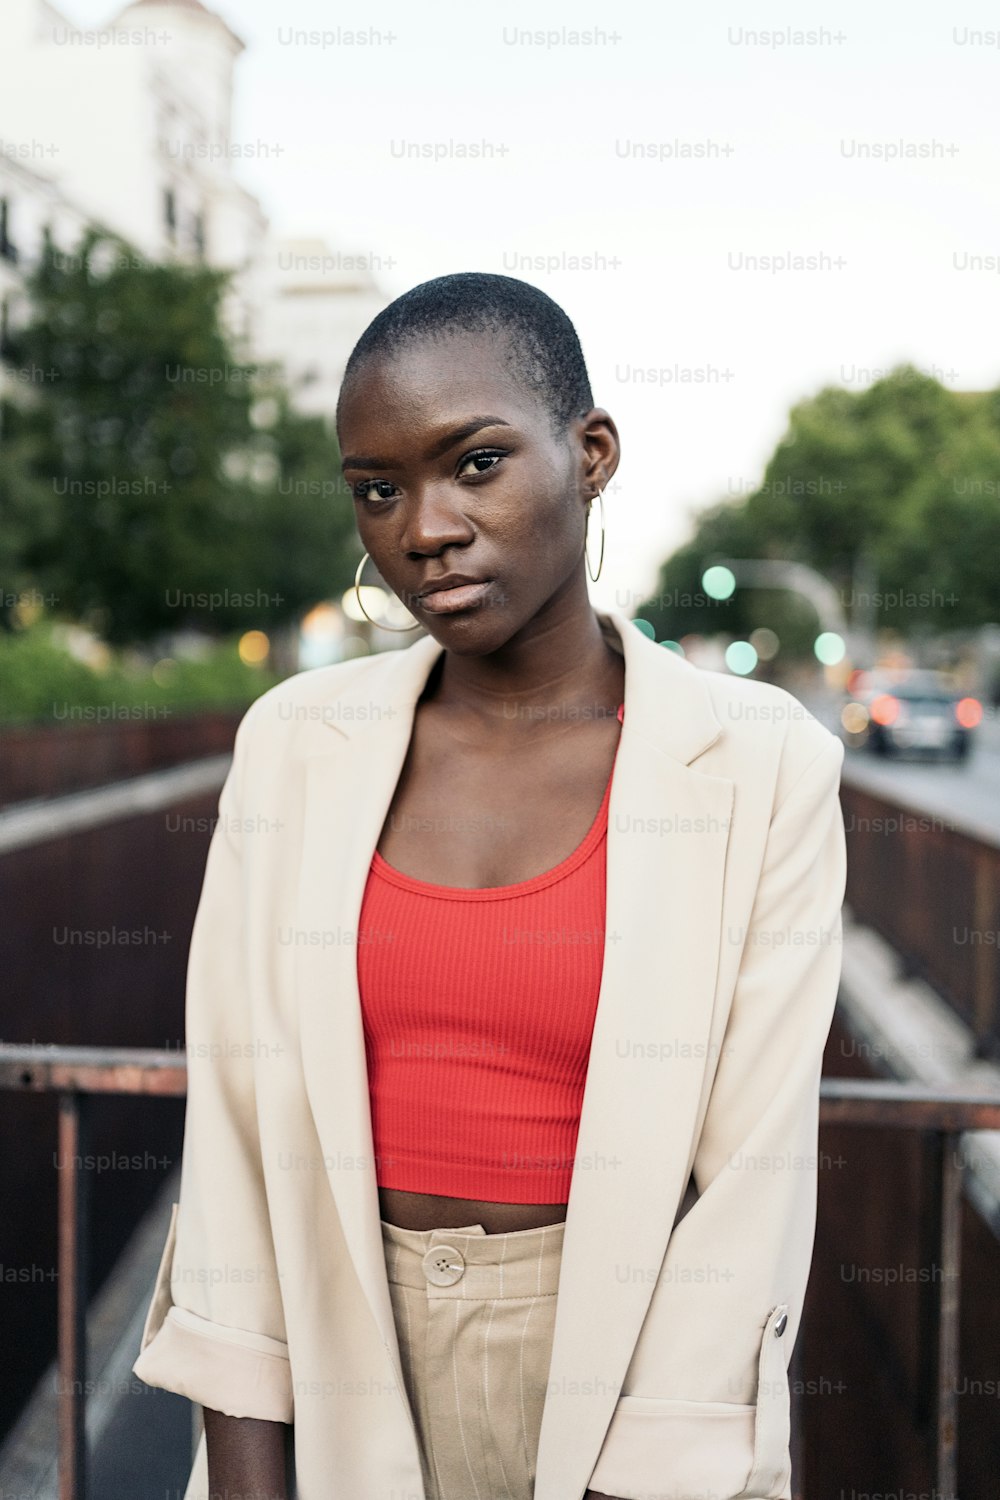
(433, 522)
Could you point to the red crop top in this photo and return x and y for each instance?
(478, 1016)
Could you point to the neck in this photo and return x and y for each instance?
(560, 662)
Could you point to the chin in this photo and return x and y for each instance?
(467, 638)
(471, 633)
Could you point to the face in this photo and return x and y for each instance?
(455, 470)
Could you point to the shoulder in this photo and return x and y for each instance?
(768, 735)
(311, 697)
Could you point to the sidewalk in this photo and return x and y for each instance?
(139, 1439)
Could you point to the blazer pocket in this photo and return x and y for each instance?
(657, 1446)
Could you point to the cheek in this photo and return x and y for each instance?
(536, 508)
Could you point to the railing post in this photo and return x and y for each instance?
(929, 1232)
(795, 1413)
(984, 957)
(73, 1238)
(949, 1308)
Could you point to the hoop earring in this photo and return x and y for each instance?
(357, 593)
(594, 576)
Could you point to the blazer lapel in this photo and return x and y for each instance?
(351, 775)
(668, 832)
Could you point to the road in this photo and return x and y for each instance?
(965, 796)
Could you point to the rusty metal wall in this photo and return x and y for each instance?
(93, 950)
(867, 1340)
(933, 892)
(48, 760)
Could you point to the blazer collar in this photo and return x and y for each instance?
(667, 700)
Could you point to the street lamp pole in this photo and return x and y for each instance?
(799, 578)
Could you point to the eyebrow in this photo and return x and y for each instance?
(450, 438)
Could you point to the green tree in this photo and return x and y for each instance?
(902, 478)
(161, 479)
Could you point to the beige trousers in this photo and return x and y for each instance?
(474, 1315)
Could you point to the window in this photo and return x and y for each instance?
(7, 247)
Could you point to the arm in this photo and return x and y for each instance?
(246, 1458)
(215, 1330)
(712, 1356)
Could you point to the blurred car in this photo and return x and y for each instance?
(910, 711)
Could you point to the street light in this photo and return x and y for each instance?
(797, 578)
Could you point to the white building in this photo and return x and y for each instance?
(132, 123)
(31, 207)
(127, 128)
(315, 302)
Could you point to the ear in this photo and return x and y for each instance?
(600, 450)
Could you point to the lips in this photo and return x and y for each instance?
(448, 581)
(451, 598)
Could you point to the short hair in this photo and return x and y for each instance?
(538, 342)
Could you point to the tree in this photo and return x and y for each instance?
(902, 478)
(159, 479)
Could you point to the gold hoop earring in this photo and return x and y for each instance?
(357, 593)
(594, 576)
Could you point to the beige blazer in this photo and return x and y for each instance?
(673, 1330)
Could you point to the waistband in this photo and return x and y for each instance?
(469, 1264)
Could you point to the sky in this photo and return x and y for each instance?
(689, 152)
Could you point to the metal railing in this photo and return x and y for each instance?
(932, 890)
(76, 1073)
(944, 1115)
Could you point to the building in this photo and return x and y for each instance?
(315, 302)
(131, 124)
(31, 206)
(134, 121)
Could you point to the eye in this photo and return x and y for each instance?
(362, 488)
(489, 456)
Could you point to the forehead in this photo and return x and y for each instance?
(427, 381)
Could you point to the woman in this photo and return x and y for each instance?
(506, 941)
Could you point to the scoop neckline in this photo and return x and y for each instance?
(565, 867)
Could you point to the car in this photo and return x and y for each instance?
(911, 711)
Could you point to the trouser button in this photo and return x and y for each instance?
(443, 1265)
